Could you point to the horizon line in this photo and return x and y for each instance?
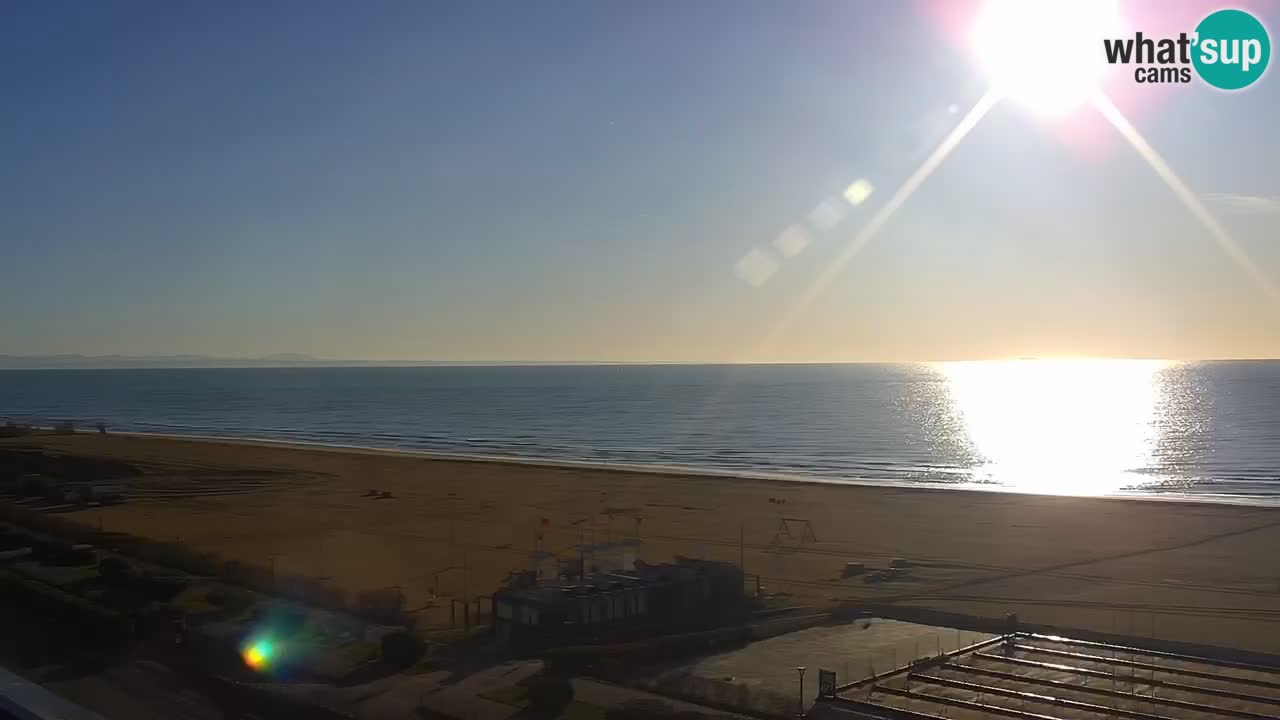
(299, 360)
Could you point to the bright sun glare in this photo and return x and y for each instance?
(1069, 427)
(1045, 55)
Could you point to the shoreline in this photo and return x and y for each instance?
(712, 474)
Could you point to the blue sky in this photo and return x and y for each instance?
(578, 180)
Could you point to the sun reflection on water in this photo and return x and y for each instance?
(1068, 427)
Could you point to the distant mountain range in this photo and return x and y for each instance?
(75, 362)
(94, 362)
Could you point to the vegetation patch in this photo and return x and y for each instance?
(513, 695)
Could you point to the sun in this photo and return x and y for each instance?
(1045, 55)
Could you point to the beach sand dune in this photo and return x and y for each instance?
(1187, 571)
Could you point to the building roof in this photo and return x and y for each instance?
(643, 575)
(1040, 677)
(556, 592)
(23, 699)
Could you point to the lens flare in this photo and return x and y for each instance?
(258, 655)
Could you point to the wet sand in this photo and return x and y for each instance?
(1188, 571)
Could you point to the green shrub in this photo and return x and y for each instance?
(61, 553)
(230, 599)
(401, 649)
(548, 695)
(115, 569)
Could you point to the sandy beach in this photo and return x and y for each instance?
(1188, 571)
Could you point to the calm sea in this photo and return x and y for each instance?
(1069, 427)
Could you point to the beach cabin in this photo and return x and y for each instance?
(685, 594)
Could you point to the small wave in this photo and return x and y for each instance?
(818, 423)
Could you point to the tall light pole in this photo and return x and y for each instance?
(800, 669)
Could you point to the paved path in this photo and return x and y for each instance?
(136, 689)
(142, 689)
(617, 697)
(398, 696)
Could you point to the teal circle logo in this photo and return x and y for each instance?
(1232, 49)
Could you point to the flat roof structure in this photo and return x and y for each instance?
(1028, 676)
(22, 699)
(643, 575)
(761, 677)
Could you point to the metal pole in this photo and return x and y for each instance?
(800, 669)
(1133, 672)
(1113, 651)
(742, 547)
(1153, 667)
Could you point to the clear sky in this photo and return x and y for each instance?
(580, 180)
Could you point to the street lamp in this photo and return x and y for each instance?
(800, 669)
